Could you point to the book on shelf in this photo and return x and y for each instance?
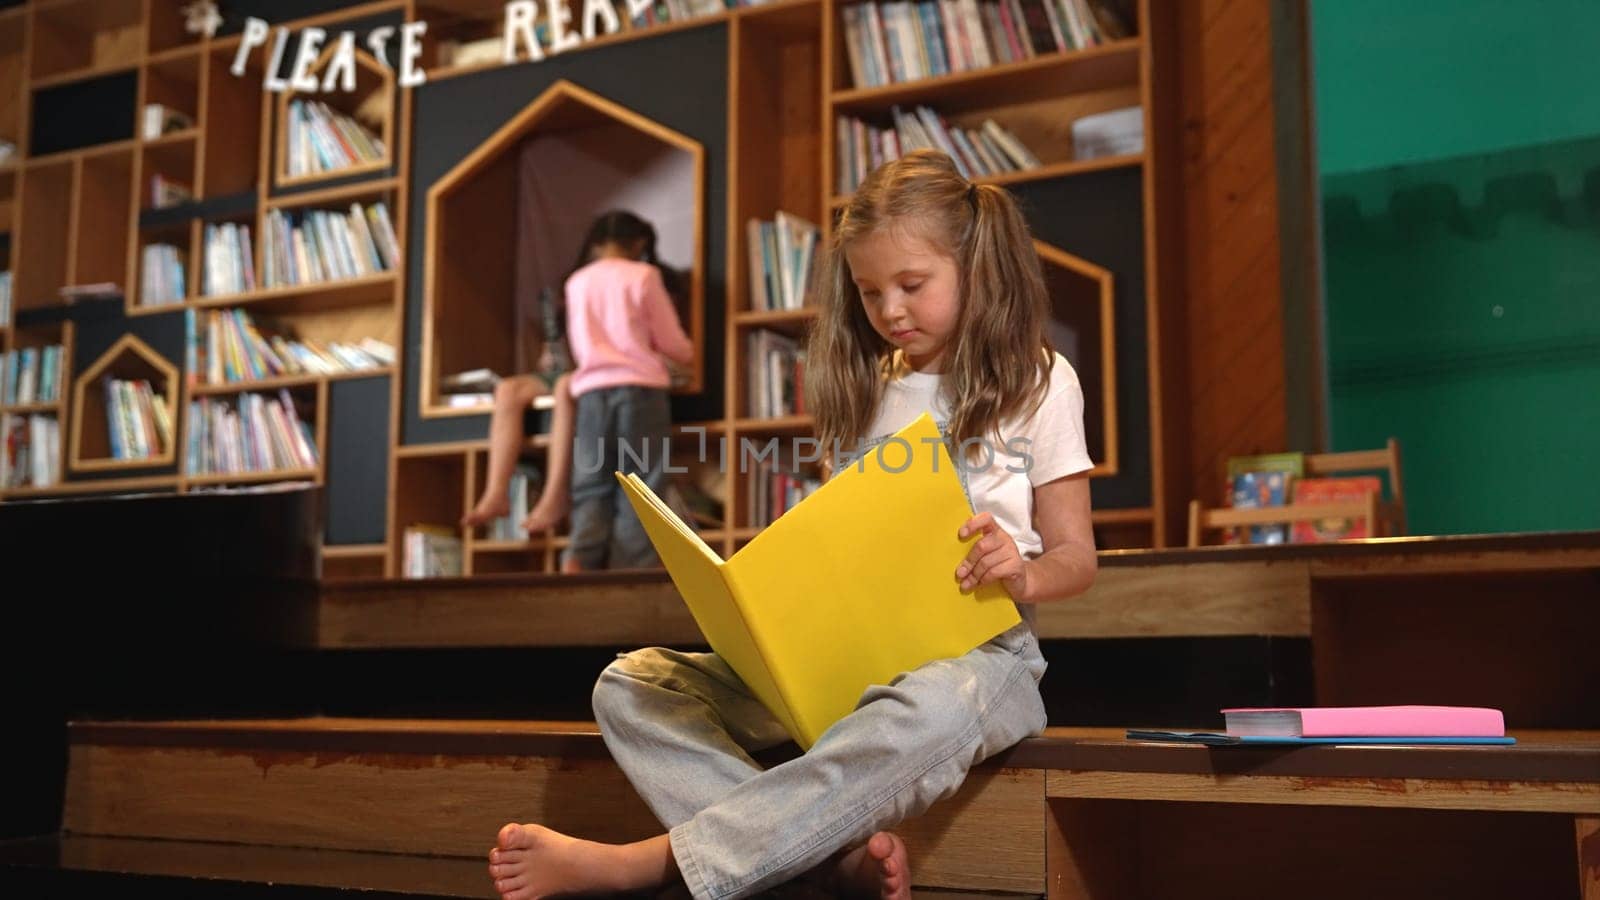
(168, 192)
(5, 298)
(161, 275)
(1347, 725)
(321, 139)
(1322, 529)
(775, 365)
(431, 551)
(1115, 132)
(1264, 480)
(319, 245)
(260, 434)
(138, 424)
(160, 119)
(229, 261)
(30, 451)
(31, 375)
(99, 290)
(805, 618)
(988, 150)
(782, 256)
(234, 346)
(894, 41)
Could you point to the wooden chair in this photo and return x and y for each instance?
(1384, 518)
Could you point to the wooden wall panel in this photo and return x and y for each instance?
(1231, 252)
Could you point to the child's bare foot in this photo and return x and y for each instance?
(547, 513)
(570, 566)
(879, 868)
(491, 507)
(531, 861)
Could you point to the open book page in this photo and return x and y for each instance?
(701, 579)
(671, 518)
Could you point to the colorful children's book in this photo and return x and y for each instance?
(1324, 490)
(1260, 481)
(1216, 739)
(852, 586)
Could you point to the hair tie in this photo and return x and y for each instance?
(972, 196)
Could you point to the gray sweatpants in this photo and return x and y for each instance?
(683, 725)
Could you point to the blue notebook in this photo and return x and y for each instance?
(1217, 739)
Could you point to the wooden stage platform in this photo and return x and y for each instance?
(1507, 620)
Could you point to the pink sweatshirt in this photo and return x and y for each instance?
(620, 322)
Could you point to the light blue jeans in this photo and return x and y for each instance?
(682, 726)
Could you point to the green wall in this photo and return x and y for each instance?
(1459, 155)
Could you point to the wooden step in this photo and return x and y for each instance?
(443, 788)
(83, 866)
(74, 866)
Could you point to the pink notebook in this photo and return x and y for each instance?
(1366, 721)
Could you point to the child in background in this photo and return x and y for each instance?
(932, 300)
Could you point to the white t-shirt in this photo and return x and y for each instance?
(1027, 452)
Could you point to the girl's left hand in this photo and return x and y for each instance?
(994, 557)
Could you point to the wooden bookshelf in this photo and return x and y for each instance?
(83, 214)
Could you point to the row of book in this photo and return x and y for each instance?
(988, 150)
(161, 278)
(894, 41)
(230, 348)
(773, 492)
(1277, 479)
(30, 451)
(230, 264)
(5, 298)
(262, 434)
(328, 245)
(430, 551)
(775, 367)
(322, 139)
(31, 375)
(783, 256)
(138, 423)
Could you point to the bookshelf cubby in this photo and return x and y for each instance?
(1082, 328)
(38, 337)
(582, 149)
(13, 78)
(102, 217)
(82, 38)
(129, 359)
(164, 30)
(372, 98)
(41, 243)
(310, 400)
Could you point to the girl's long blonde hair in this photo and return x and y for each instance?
(997, 366)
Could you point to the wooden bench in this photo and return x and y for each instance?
(1077, 813)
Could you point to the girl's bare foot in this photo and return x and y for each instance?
(493, 505)
(570, 566)
(531, 861)
(547, 513)
(879, 868)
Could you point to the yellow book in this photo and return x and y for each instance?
(849, 588)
